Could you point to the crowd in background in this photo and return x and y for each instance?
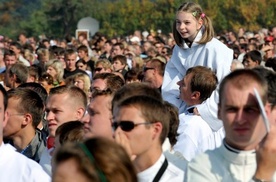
(86, 77)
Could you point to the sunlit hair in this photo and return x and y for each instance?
(98, 160)
(104, 63)
(113, 82)
(58, 66)
(196, 10)
(76, 95)
(43, 54)
(152, 111)
(71, 131)
(133, 89)
(28, 102)
(86, 80)
(203, 80)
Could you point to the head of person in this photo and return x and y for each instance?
(43, 55)
(34, 73)
(193, 13)
(71, 131)
(134, 89)
(103, 81)
(81, 64)
(17, 74)
(144, 122)
(147, 45)
(16, 47)
(197, 85)
(47, 81)
(98, 120)
(103, 66)
(133, 75)
(65, 103)
(83, 81)
(118, 49)
(239, 110)
(9, 58)
(55, 69)
(25, 110)
(252, 59)
(38, 88)
(153, 72)
(89, 162)
(119, 62)
(60, 55)
(70, 59)
(82, 51)
(108, 46)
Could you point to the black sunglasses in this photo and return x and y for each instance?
(98, 69)
(126, 125)
(147, 68)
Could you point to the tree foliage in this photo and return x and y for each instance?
(122, 17)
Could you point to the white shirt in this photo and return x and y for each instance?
(46, 161)
(196, 136)
(176, 158)
(15, 167)
(214, 55)
(172, 172)
(222, 165)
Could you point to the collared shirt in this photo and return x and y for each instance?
(222, 165)
(172, 172)
(196, 136)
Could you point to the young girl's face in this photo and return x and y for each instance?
(187, 25)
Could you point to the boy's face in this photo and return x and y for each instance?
(117, 65)
(185, 89)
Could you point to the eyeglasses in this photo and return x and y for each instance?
(98, 69)
(147, 68)
(126, 125)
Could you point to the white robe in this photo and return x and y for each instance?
(15, 167)
(196, 136)
(214, 55)
(222, 165)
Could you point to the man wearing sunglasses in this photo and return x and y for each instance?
(103, 66)
(141, 125)
(153, 73)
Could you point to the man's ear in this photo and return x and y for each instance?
(80, 113)
(27, 119)
(157, 130)
(195, 95)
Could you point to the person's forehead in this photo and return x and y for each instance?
(10, 57)
(99, 83)
(100, 101)
(71, 56)
(55, 99)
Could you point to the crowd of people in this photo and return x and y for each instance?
(148, 107)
